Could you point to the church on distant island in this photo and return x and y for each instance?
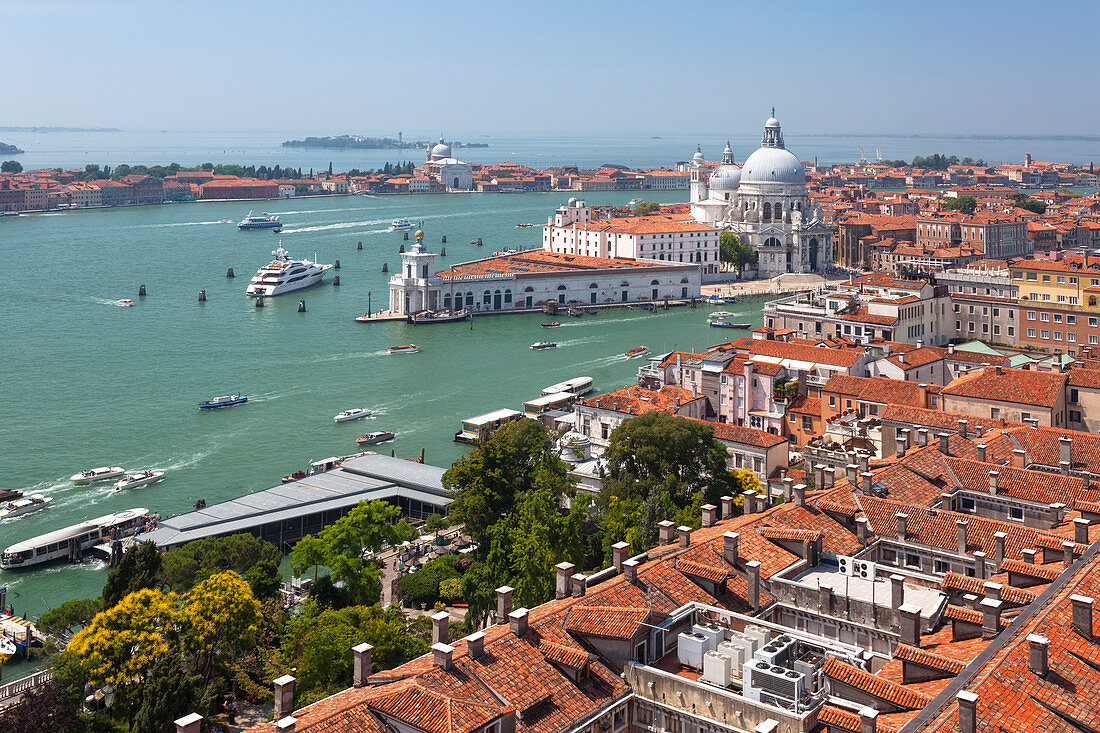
(766, 204)
(453, 174)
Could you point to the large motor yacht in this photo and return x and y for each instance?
(284, 275)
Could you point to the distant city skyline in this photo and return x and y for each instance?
(566, 68)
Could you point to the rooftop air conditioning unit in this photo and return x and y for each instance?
(845, 562)
(713, 633)
(716, 668)
(769, 683)
(757, 632)
(775, 651)
(738, 651)
(864, 569)
(690, 649)
(751, 643)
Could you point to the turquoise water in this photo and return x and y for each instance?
(86, 383)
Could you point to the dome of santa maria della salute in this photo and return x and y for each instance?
(772, 162)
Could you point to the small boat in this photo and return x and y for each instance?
(636, 352)
(544, 345)
(634, 202)
(523, 226)
(715, 300)
(727, 324)
(441, 316)
(26, 505)
(406, 349)
(647, 307)
(133, 480)
(226, 400)
(401, 225)
(294, 476)
(590, 311)
(124, 303)
(103, 473)
(374, 438)
(260, 222)
(555, 324)
(355, 414)
(719, 314)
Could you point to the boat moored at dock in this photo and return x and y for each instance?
(727, 324)
(103, 473)
(578, 386)
(440, 316)
(478, 428)
(72, 542)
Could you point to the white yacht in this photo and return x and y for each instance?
(356, 414)
(24, 505)
(133, 480)
(284, 275)
(103, 473)
(401, 225)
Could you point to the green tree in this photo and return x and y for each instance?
(450, 590)
(46, 709)
(70, 616)
(422, 587)
(194, 561)
(733, 251)
(647, 208)
(965, 204)
(436, 523)
(11, 166)
(139, 568)
(264, 579)
(169, 693)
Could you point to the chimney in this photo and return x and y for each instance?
(910, 624)
(630, 570)
(761, 503)
(998, 550)
(665, 531)
(943, 444)
(902, 443)
(709, 515)
(564, 571)
(830, 477)
(1063, 467)
(853, 474)
(992, 590)
(580, 582)
(960, 533)
(1067, 553)
(922, 437)
(991, 617)
(864, 463)
(727, 506)
(962, 428)
(868, 720)
(994, 476)
(441, 655)
(1037, 660)
(191, 723)
(1082, 615)
(504, 603)
(861, 530)
(441, 623)
(903, 522)
(979, 564)
(788, 488)
(1081, 531)
(867, 477)
(1028, 556)
(475, 644)
(619, 553)
(685, 533)
(730, 542)
(897, 591)
(748, 501)
(968, 712)
(362, 655)
(752, 569)
(800, 494)
(517, 621)
(970, 601)
(824, 598)
(284, 696)
(981, 452)
(819, 475)
(1019, 458)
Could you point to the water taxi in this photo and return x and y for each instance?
(578, 386)
(299, 474)
(727, 324)
(357, 413)
(555, 324)
(719, 314)
(134, 480)
(72, 542)
(538, 345)
(380, 436)
(124, 303)
(226, 400)
(103, 473)
(636, 352)
(25, 505)
(400, 225)
(260, 222)
(406, 349)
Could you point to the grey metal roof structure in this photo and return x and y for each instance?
(362, 478)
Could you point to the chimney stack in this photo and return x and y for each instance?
(903, 525)
(1037, 658)
(442, 655)
(630, 570)
(962, 428)
(1082, 615)
(864, 463)
(994, 477)
(897, 591)
(861, 530)
(788, 488)
(362, 660)
(991, 617)
(902, 442)
(709, 515)
(922, 437)
(819, 475)
(441, 623)
(748, 501)
(992, 590)
(727, 506)
(868, 720)
(665, 531)
(752, 569)
(830, 477)
(1067, 553)
(475, 644)
(504, 603)
(1081, 531)
(191, 723)
(517, 621)
(1028, 556)
(910, 624)
(1019, 458)
(619, 553)
(579, 583)
(564, 572)
(968, 712)
(867, 477)
(730, 542)
(981, 452)
(960, 532)
(1065, 446)
(684, 533)
(944, 444)
(853, 474)
(800, 494)
(284, 696)
(979, 564)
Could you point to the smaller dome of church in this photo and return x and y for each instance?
(441, 149)
(726, 177)
(698, 157)
(772, 123)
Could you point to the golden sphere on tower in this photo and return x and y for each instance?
(419, 234)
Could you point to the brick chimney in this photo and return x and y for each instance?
(752, 569)
(1065, 451)
(962, 428)
(748, 501)
(903, 525)
(994, 478)
(1019, 458)
(630, 570)
(1081, 531)
(709, 514)
(442, 655)
(909, 621)
(853, 474)
(564, 572)
(968, 711)
(800, 494)
(830, 477)
(867, 478)
(191, 723)
(862, 533)
(727, 506)
(868, 720)
(684, 534)
(517, 621)
(580, 583)
(666, 530)
(819, 475)
(619, 552)
(441, 623)
(960, 532)
(981, 452)
(284, 696)
(922, 437)
(864, 463)
(362, 660)
(1082, 615)
(902, 442)
(998, 550)
(979, 564)
(992, 590)
(1067, 553)
(730, 543)
(504, 603)
(944, 447)
(475, 644)
(991, 617)
(1028, 556)
(1037, 656)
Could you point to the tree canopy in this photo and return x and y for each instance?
(188, 564)
(647, 208)
(11, 166)
(965, 204)
(733, 251)
(138, 569)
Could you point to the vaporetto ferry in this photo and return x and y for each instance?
(72, 542)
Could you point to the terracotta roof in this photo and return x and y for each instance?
(1019, 386)
(637, 400)
(605, 621)
(537, 261)
(700, 570)
(822, 355)
(1009, 594)
(874, 686)
(928, 659)
(1044, 572)
(744, 436)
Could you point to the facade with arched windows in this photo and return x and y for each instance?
(453, 174)
(765, 202)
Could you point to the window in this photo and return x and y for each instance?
(1031, 315)
(1071, 320)
(832, 401)
(942, 567)
(967, 504)
(1074, 396)
(1031, 333)
(1093, 322)
(1016, 513)
(995, 412)
(1044, 317)
(1074, 416)
(1043, 333)
(1057, 317)
(1071, 336)
(912, 561)
(1093, 340)
(1025, 416)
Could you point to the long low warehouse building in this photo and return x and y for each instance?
(289, 511)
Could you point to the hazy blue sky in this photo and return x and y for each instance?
(562, 67)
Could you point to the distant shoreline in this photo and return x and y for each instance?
(358, 142)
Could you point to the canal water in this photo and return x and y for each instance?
(86, 383)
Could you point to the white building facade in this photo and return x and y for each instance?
(454, 174)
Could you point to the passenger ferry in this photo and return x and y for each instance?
(400, 225)
(72, 542)
(478, 428)
(554, 401)
(577, 386)
(284, 275)
(260, 222)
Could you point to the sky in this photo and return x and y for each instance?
(639, 68)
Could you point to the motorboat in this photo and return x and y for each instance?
(538, 345)
(7, 646)
(727, 324)
(226, 400)
(103, 473)
(401, 225)
(380, 436)
(406, 349)
(72, 542)
(578, 386)
(440, 316)
(134, 480)
(555, 324)
(719, 314)
(357, 413)
(636, 352)
(124, 303)
(715, 300)
(299, 474)
(285, 275)
(25, 505)
(634, 202)
(267, 221)
(523, 226)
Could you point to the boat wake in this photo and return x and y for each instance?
(181, 224)
(330, 227)
(604, 360)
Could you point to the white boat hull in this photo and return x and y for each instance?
(109, 473)
(20, 508)
(358, 415)
(143, 481)
(269, 290)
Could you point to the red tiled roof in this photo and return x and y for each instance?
(605, 621)
(637, 400)
(874, 686)
(928, 659)
(1020, 386)
(744, 436)
(537, 261)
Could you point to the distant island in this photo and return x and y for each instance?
(6, 149)
(362, 142)
(58, 129)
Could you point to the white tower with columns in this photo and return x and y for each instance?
(416, 287)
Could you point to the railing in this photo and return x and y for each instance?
(23, 684)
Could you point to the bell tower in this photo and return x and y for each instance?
(698, 178)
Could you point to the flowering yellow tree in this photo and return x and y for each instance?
(218, 616)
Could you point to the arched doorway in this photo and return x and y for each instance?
(496, 300)
(528, 298)
(813, 254)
